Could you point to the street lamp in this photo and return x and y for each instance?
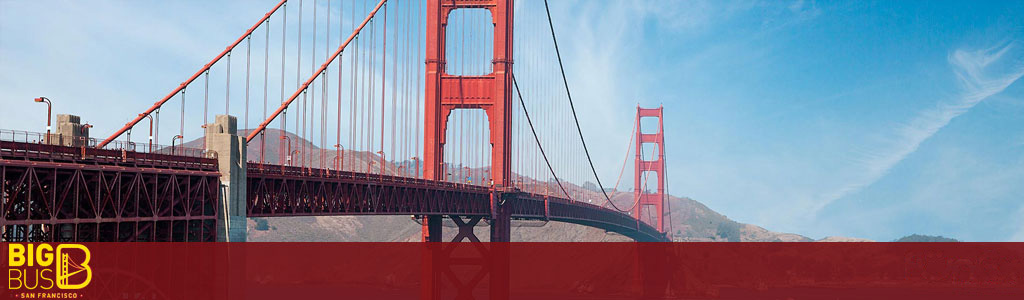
(417, 160)
(49, 107)
(339, 154)
(175, 138)
(204, 135)
(150, 117)
(85, 130)
(383, 161)
(128, 140)
(288, 156)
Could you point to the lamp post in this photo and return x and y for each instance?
(336, 158)
(339, 155)
(383, 161)
(288, 156)
(291, 153)
(49, 109)
(204, 134)
(417, 160)
(85, 129)
(175, 138)
(150, 117)
(128, 140)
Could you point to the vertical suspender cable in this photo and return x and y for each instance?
(419, 88)
(668, 194)
(341, 60)
(569, 95)
(305, 86)
(206, 105)
(184, 84)
(408, 127)
(537, 138)
(298, 70)
(394, 91)
(323, 103)
(383, 86)
(370, 91)
(266, 73)
(284, 115)
(300, 122)
(181, 130)
(298, 56)
(227, 90)
(248, 52)
(307, 101)
(156, 134)
(372, 108)
(310, 104)
(352, 85)
(365, 76)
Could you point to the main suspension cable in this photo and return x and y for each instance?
(623, 170)
(536, 138)
(571, 106)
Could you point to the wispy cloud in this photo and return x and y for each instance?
(981, 74)
(1019, 236)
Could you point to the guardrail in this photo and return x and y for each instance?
(35, 146)
(68, 141)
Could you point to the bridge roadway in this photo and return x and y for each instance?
(134, 196)
(277, 191)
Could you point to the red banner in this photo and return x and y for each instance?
(515, 271)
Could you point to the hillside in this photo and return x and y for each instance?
(690, 220)
(920, 238)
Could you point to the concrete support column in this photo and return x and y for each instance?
(69, 132)
(222, 138)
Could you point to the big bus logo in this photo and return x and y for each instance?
(40, 266)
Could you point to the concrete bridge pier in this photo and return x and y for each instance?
(222, 138)
(69, 132)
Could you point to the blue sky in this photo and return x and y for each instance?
(863, 119)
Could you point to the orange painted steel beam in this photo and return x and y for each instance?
(491, 93)
(650, 164)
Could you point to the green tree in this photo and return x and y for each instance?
(729, 230)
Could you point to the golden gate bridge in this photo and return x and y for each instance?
(436, 109)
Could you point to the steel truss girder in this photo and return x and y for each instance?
(275, 191)
(66, 202)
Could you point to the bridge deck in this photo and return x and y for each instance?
(276, 191)
(60, 193)
(53, 193)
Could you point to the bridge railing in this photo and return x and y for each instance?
(299, 171)
(29, 137)
(36, 146)
(40, 138)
